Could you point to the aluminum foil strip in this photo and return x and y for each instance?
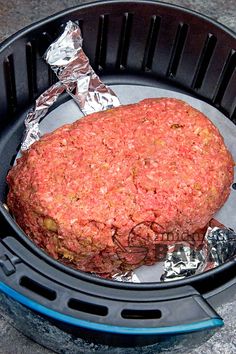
(183, 260)
(219, 246)
(127, 277)
(42, 104)
(76, 76)
(69, 62)
(222, 245)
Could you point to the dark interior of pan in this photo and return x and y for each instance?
(143, 43)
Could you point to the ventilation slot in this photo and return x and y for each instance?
(225, 77)
(10, 83)
(233, 117)
(86, 307)
(52, 78)
(151, 43)
(177, 49)
(44, 42)
(141, 314)
(38, 288)
(204, 61)
(80, 24)
(101, 49)
(124, 41)
(31, 70)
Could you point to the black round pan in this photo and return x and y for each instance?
(145, 43)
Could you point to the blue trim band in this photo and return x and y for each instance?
(191, 327)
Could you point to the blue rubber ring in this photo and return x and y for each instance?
(186, 328)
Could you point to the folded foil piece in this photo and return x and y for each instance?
(42, 105)
(68, 60)
(128, 277)
(182, 260)
(219, 246)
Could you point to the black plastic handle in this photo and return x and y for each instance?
(132, 312)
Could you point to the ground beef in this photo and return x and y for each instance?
(101, 193)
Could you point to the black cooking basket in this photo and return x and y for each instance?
(143, 43)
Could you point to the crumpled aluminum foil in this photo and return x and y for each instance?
(182, 260)
(42, 105)
(219, 246)
(222, 245)
(127, 277)
(68, 60)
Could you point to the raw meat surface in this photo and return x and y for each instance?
(100, 193)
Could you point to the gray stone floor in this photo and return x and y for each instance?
(16, 14)
(13, 342)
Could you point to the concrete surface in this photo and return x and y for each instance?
(14, 15)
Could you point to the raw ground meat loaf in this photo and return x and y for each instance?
(98, 194)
